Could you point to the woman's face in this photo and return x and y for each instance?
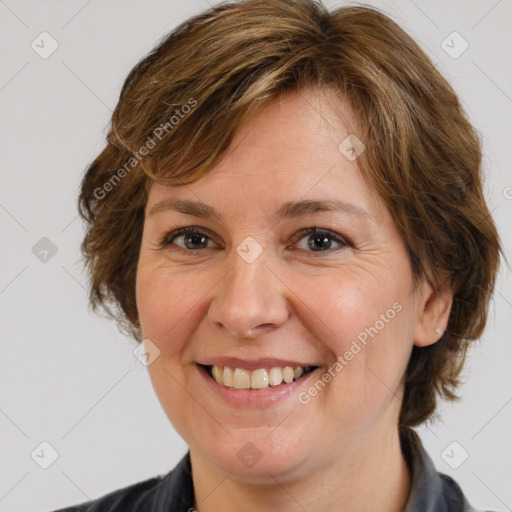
(253, 290)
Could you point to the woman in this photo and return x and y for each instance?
(288, 217)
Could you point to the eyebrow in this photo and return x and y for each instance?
(290, 209)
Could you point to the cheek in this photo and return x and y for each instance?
(166, 302)
(366, 322)
(345, 304)
(168, 305)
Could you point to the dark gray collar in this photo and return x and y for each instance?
(431, 491)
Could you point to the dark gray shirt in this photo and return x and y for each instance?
(431, 491)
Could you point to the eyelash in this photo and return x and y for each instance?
(168, 238)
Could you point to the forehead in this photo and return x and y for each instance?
(293, 131)
(288, 149)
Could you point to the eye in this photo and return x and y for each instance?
(319, 240)
(192, 239)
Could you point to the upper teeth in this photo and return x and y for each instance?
(239, 378)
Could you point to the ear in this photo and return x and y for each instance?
(434, 306)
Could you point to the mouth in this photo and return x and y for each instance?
(257, 379)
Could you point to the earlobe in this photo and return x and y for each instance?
(434, 307)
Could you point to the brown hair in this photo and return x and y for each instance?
(181, 105)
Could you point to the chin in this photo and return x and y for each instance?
(256, 457)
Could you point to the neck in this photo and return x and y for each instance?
(372, 476)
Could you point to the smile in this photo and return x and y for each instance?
(261, 378)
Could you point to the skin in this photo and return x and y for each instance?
(341, 450)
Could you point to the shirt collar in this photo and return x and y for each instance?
(428, 493)
(426, 484)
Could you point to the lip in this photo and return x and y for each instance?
(253, 364)
(255, 398)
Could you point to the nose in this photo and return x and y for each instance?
(250, 299)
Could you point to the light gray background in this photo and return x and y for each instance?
(70, 378)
